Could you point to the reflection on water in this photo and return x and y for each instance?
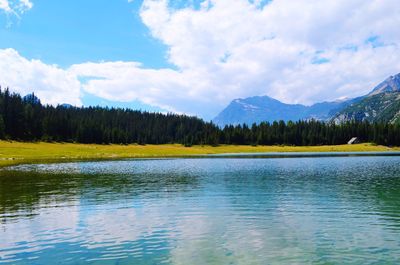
(203, 211)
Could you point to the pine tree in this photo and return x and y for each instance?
(2, 128)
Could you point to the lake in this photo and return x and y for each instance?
(220, 210)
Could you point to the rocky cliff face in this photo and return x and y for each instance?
(391, 84)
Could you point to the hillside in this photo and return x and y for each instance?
(383, 107)
(382, 104)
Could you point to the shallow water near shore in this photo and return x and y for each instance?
(224, 210)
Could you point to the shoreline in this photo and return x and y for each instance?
(16, 153)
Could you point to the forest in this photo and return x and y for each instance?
(27, 119)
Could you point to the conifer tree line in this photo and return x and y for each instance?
(26, 119)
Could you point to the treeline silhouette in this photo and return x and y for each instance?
(26, 119)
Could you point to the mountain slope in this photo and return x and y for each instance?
(382, 107)
(391, 84)
(257, 109)
(382, 104)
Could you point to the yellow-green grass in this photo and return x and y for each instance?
(12, 153)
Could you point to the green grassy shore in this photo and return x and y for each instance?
(13, 153)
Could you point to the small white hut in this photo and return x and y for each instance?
(353, 140)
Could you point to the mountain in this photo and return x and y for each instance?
(383, 107)
(391, 84)
(66, 105)
(31, 98)
(258, 109)
(381, 104)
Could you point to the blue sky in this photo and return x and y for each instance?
(64, 32)
(195, 56)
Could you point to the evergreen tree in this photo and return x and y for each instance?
(27, 119)
(2, 128)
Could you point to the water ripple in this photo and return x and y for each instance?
(203, 211)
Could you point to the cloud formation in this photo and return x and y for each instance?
(15, 7)
(296, 51)
(52, 84)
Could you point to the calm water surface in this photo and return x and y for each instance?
(320, 210)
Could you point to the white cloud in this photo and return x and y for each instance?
(299, 51)
(127, 81)
(52, 84)
(15, 7)
(268, 45)
(4, 5)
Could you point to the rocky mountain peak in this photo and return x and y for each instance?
(391, 84)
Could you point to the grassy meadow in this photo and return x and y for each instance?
(12, 153)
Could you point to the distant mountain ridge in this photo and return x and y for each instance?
(372, 107)
(263, 108)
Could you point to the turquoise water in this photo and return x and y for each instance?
(320, 210)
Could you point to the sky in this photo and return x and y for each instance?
(196, 56)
